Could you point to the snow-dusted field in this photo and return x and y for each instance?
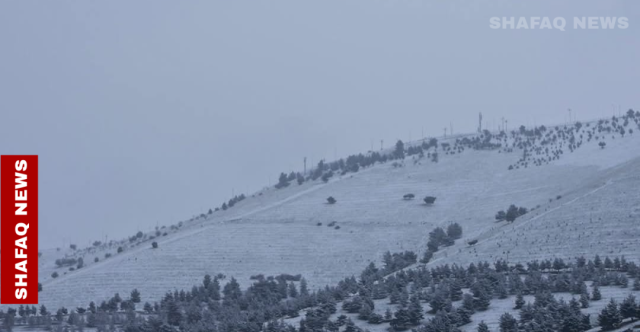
(276, 230)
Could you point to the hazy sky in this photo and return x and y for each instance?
(147, 112)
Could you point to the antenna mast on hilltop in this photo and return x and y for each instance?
(305, 166)
(480, 122)
(381, 144)
(445, 132)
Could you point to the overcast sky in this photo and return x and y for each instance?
(147, 112)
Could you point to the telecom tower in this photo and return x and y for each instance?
(480, 122)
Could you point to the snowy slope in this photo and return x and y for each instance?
(276, 231)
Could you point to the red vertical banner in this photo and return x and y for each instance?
(19, 229)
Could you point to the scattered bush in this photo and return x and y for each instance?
(512, 213)
(62, 262)
(154, 245)
(454, 231)
(331, 200)
(429, 200)
(408, 196)
(54, 275)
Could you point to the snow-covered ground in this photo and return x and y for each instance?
(276, 231)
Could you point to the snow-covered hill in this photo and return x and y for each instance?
(585, 202)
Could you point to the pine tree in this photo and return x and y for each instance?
(304, 290)
(174, 316)
(415, 310)
(365, 311)
(350, 326)
(483, 301)
(584, 301)
(404, 298)
(293, 291)
(135, 296)
(438, 302)
(232, 290)
(597, 261)
(467, 303)
(519, 301)
(402, 320)
(571, 323)
(206, 281)
(388, 315)
(586, 322)
(213, 289)
(628, 307)
(482, 327)
(508, 323)
(501, 290)
(465, 316)
(595, 295)
(455, 290)
(609, 318)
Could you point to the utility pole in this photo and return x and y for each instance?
(480, 122)
(305, 166)
(381, 144)
(451, 125)
(569, 116)
(445, 132)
